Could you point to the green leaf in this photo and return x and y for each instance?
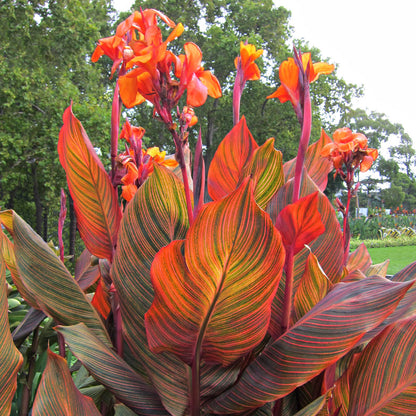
(383, 379)
(57, 394)
(331, 329)
(155, 216)
(216, 296)
(95, 199)
(112, 371)
(10, 357)
(47, 280)
(229, 161)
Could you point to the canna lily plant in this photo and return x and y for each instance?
(250, 304)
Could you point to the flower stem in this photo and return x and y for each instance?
(115, 123)
(287, 300)
(303, 143)
(346, 226)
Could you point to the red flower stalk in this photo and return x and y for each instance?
(247, 70)
(348, 152)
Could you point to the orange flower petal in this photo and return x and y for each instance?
(197, 92)
(211, 82)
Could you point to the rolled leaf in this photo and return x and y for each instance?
(227, 165)
(266, 170)
(300, 223)
(112, 371)
(57, 394)
(47, 280)
(315, 342)
(95, 199)
(216, 298)
(10, 357)
(383, 380)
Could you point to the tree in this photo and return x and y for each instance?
(45, 48)
(218, 26)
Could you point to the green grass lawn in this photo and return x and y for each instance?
(399, 257)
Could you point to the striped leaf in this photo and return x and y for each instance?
(317, 166)
(216, 297)
(228, 163)
(313, 287)
(266, 170)
(95, 199)
(300, 223)
(379, 269)
(327, 247)
(383, 380)
(112, 371)
(155, 216)
(48, 281)
(57, 394)
(314, 407)
(359, 259)
(10, 357)
(7, 249)
(406, 307)
(315, 342)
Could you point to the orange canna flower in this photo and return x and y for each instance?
(290, 90)
(248, 54)
(136, 175)
(349, 149)
(198, 82)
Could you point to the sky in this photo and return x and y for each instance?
(371, 43)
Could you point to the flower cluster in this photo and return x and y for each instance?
(135, 164)
(350, 150)
(149, 71)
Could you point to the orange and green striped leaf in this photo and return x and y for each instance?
(95, 199)
(379, 269)
(112, 371)
(48, 281)
(10, 357)
(266, 170)
(216, 297)
(227, 165)
(325, 334)
(406, 307)
(313, 287)
(383, 380)
(7, 249)
(327, 247)
(359, 259)
(57, 394)
(300, 223)
(317, 166)
(155, 216)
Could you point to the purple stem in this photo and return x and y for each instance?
(303, 143)
(239, 84)
(346, 226)
(115, 123)
(287, 300)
